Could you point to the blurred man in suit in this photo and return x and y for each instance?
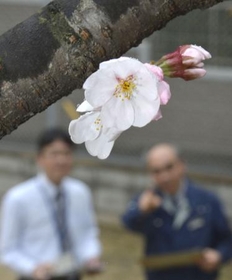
(48, 224)
(176, 215)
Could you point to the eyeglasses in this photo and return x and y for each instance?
(166, 168)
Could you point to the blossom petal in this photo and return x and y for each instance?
(164, 92)
(193, 73)
(147, 84)
(145, 110)
(84, 107)
(200, 65)
(158, 116)
(118, 114)
(189, 61)
(99, 147)
(193, 55)
(84, 129)
(205, 53)
(100, 87)
(122, 67)
(111, 133)
(156, 70)
(111, 62)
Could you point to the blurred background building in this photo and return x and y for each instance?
(197, 118)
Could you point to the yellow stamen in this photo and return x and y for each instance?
(98, 124)
(125, 88)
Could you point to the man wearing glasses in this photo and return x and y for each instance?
(177, 218)
(48, 227)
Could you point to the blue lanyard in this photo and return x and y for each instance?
(49, 203)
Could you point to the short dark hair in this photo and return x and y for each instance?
(50, 135)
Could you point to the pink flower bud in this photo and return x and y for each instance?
(185, 62)
(170, 60)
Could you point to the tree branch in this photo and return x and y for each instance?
(50, 54)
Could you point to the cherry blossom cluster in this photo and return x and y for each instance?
(125, 92)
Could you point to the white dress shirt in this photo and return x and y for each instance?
(29, 234)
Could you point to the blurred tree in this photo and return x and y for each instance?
(52, 53)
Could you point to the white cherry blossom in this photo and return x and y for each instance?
(88, 129)
(126, 91)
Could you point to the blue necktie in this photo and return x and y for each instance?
(61, 220)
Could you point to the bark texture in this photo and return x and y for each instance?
(50, 54)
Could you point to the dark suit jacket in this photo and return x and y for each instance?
(206, 227)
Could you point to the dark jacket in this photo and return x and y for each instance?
(211, 230)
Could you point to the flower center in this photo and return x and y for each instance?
(125, 88)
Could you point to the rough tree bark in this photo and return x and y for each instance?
(50, 54)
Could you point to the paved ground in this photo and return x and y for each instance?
(121, 254)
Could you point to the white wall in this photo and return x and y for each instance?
(112, 188)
